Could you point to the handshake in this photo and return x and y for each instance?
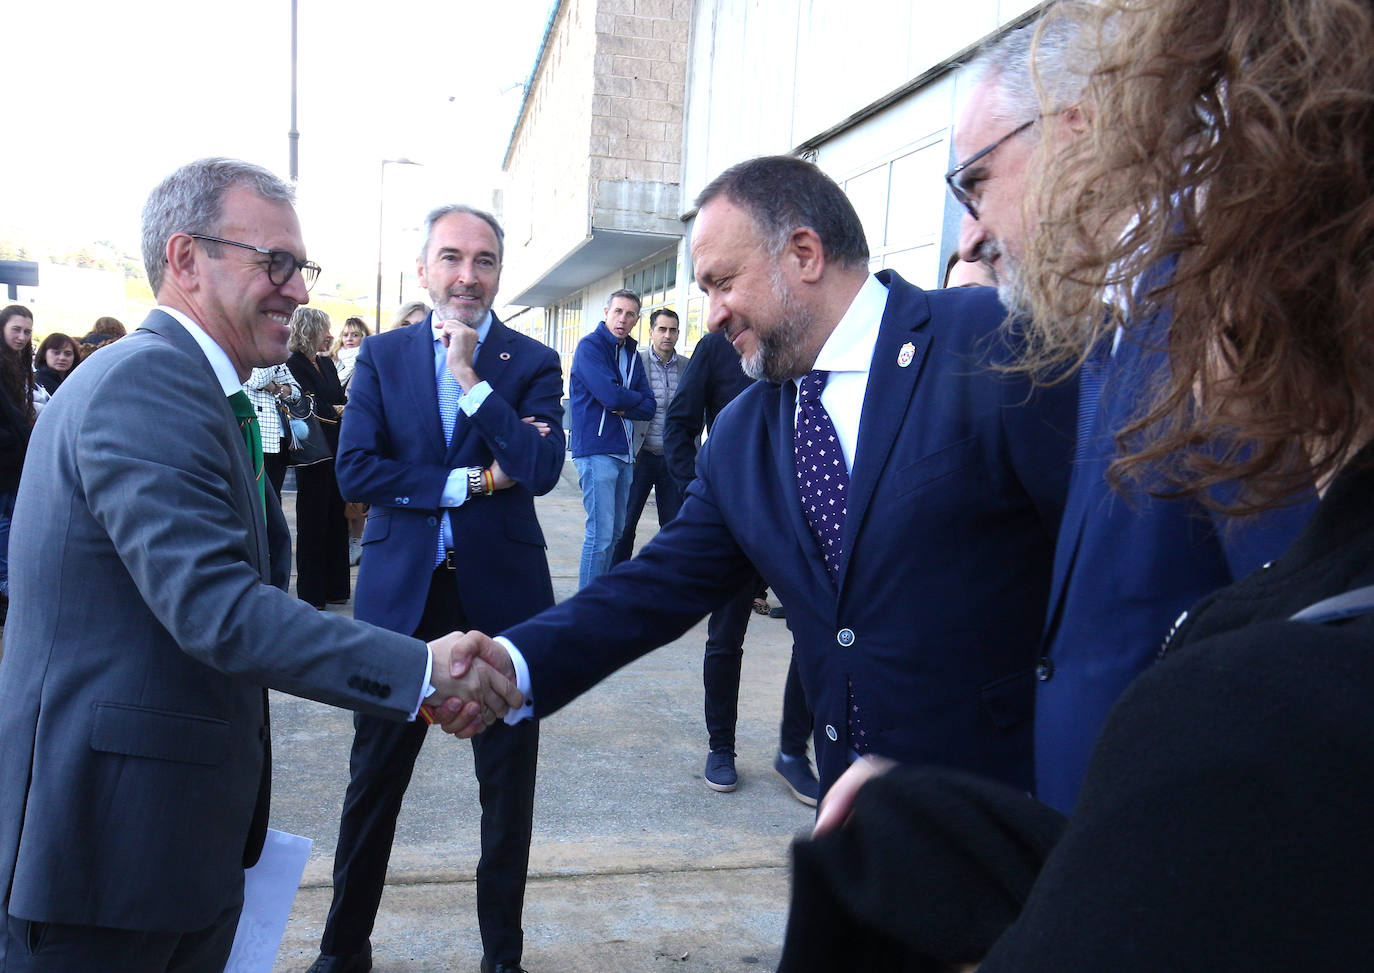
(474, 682)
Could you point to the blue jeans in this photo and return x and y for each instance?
(605, 482)
(651, 473)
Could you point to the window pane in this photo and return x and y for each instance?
(868, 193)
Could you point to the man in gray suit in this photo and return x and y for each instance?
(149, 611)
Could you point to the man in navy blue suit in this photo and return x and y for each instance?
(1126, 564)
(916, 630)
(433, 440)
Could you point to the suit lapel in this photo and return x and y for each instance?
(781, 423)
(898, 357)
(418, 356)
(491, 367)
(170, 328)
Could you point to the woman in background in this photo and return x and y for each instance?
(56, 358)
(344, 351)
(322, 575)
(16, 422)
(412, 312)
(266, 387)
(345, 354)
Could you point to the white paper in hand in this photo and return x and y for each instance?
(269, 889)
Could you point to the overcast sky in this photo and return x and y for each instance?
(104, 99)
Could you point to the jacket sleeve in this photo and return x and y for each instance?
(683, 422)
(639, 382)
(599, 377)
(532, 460)
(167, 505)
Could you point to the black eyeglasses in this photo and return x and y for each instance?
(952, 177)
(281, 264)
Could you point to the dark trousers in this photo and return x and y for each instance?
(52, 947)
(379, 768)
(651, 473)
(720, 676)
(322, 573)
(275, 465)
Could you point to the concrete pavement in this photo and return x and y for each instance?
(635, 865)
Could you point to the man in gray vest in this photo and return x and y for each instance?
(664, 367)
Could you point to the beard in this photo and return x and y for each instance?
(782, 353)
(1010, 284)
(471, 315)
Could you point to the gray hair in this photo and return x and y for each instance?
(1037, 69)
(307, 324)
(626, 293)
(191, 200)
(439, 212)
(782, 193)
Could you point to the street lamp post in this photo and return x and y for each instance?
(381, 225)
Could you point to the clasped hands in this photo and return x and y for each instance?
(474, 683)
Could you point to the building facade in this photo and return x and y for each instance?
(635, 105)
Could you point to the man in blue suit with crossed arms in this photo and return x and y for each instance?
(914, 558)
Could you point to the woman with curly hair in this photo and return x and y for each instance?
(1226, 180)
(322, 575)
(16, 422)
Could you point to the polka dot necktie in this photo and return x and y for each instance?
(822, 475)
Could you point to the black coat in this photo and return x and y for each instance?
(323, 383)
(712, 379)
(1224, 823)
(49, 379)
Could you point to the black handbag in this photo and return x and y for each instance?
(304, 434)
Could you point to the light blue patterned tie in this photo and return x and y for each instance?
(449, 394)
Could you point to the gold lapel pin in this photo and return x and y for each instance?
(505, 356)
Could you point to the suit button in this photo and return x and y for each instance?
(500, 443)
(432, 521)
(845, 637)
(1044, 669)
(830, 732)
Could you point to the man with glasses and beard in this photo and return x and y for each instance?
(1126, 563)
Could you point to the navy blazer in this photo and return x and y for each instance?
(955, 498)
(1125, 567)
(392, 455)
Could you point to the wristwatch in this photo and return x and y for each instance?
(476, 487)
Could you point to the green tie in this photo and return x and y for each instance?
(252, 438)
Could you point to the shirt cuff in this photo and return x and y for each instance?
(471, 400)
(428, 689)
(455, 487)
(522, 682)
